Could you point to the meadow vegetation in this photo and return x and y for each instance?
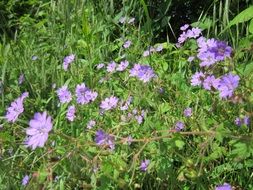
(106, 95)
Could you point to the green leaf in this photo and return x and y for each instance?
(240, 150)
(251, 26)
(242, 16)
(180, 144)
(6, 137)
(163, 108)
(42, 175)
(165, 66)
(248, 69)
(62, 185)
(203, 24)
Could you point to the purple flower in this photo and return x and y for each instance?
(135, 70)
(228, 83)
(125, 105)
(25, 180)
(210, 81)
(149, 51)
(64, 94)
(159, 48)
(143, 112)
(201, 42)
(146, 53)
(16, 108)
(109, 103)
(68, 60)
(179, 126)
(91, 95)
(144, 72)
(225, 186)
(191, 58)
(221, 50)
(122, 66)
(84, 95)
(71, 113)
(34, 58)
(127, 44)
(194, 32)
(134, 111)
(238, 121)
(122, 20)
(207, 59)
(197, 79)
(24, 95)
(188, 112)
(178, 45)
(21, 79)
(104, 139)
(211, 43)
(129, 140)
(111, 67)
(37, 133)
(100, 65)
(246, 120)
(182, 38)
(139, 119)
(211, 51)
(184, 27)
(91, 124)
(144, 165)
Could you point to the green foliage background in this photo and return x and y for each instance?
(212, 150)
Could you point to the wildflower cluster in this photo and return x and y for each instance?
(113, 66)
(242, 121)
(226, 84)
(188, 33)
(120, 123)
(143, 72)
(71, 113)
(210, 52)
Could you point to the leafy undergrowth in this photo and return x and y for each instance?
(89, 104)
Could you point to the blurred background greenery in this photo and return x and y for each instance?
(161, 19)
